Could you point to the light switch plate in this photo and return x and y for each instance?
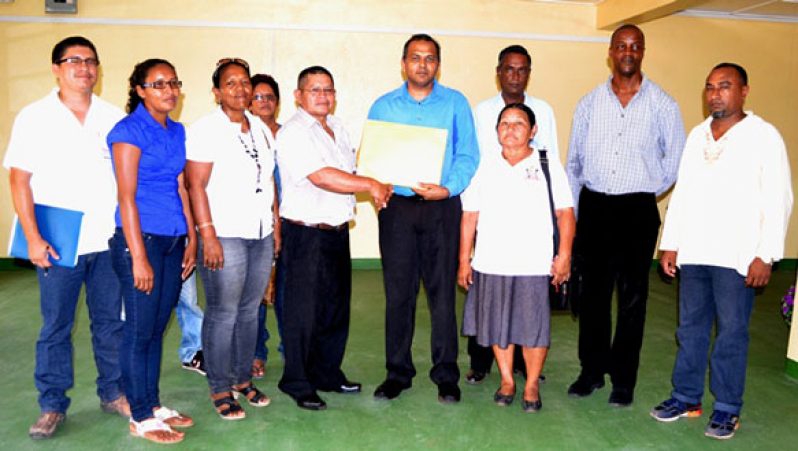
(61, 6)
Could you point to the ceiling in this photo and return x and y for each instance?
(769, 10)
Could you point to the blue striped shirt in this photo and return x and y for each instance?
(443, 108)
(617, 150)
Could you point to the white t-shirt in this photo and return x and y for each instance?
(304, 148)
(733, 197)
(514, 230)
(240, 206)
(70, 162)
(486, 114)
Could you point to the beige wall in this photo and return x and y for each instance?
(360, 42)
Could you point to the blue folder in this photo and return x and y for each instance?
(58, 226)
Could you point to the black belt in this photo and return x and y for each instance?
(320, 226)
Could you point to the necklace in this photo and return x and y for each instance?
(253, 153)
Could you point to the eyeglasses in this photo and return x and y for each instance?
(77, 61)
(224, 61)
(316, 92)
(162, 84)
(264, 98)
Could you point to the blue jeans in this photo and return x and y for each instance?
(261, 351)
(232, 296)
(146, 316)
(59, 290)
(189, 316)
(708, 294)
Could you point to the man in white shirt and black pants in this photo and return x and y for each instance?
(317, 163)
(725, 226)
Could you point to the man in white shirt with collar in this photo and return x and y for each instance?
(726, 224)
(57, 156)
(513, 70)
(317, 163)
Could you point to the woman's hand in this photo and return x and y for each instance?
(465, 275)
(560, 269)
(189, 258)
(143, 275)
(212, 253)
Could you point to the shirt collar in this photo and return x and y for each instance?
(309, 121)
(643, 86)
(435, 93)
(141, 114)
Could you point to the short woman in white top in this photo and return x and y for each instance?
(230, 177)
(507, 280)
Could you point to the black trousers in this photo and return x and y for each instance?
(419, 242)
(318, 287)
(482, 357)
(615, 236)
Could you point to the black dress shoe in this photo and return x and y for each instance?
(621, 397)
(311, 402)
(503, 400)
(531, 406)
(390, 389)
(448, 393)
(584, 386)
(474, 377)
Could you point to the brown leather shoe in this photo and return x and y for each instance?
(46, 425)
(119, 406)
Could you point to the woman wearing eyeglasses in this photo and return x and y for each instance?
(229, 172)
(265, 103)
(149, 251)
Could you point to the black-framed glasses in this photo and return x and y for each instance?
(162, 84)
(315, 92)
(224, 61)
(77, 61)
(265, 97)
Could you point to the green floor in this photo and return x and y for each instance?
(415, 420)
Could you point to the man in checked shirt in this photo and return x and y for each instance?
(626, 142)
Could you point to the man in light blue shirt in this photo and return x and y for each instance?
(626, 141)
(420, 228)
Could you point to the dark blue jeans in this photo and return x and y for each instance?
(146, 316)
(59, 289)
(232, 296)
(709, 294)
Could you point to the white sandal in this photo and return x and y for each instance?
(145, 428)
(173, 418)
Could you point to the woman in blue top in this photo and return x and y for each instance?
(149, 250)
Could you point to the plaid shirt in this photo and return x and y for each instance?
(617, 150)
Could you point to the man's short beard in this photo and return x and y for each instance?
(718, 114)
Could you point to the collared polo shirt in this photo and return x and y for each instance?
(69, 162)
(514, 229)
(163, 156)
(241, 206)
(443, 108)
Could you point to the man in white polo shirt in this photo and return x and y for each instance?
(513, 70)
(57, 156)
(317, 162)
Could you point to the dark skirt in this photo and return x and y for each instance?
(503, 310)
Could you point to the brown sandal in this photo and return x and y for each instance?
(254, 396)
